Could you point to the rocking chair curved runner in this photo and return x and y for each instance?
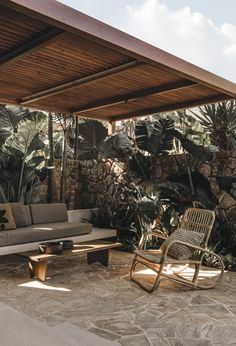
(186, 246)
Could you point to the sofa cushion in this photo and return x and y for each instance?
(48, 213)
(3, 239)
(28, 214)
(46, 232)
(6, 217)
(180, 251)
(19, 214)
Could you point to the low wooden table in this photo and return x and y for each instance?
(97, 251)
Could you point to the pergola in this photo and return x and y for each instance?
(57, 59)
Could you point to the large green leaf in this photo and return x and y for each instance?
(20, 141)
(143, 132)
(197, 151)
(141, 166)
(161, 140)
(117, 146)
(92, 134)
(154, 137)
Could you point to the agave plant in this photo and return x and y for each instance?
(219, 120)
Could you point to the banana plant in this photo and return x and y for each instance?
(24, 146)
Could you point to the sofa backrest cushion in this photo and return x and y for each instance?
(28, 214)
(6, 217)
(19, 214)
(47, 213)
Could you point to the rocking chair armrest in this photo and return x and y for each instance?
(152, 233)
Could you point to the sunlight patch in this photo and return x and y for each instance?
(37, 284)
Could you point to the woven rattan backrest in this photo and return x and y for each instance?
(198, 220)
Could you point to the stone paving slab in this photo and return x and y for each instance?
(104, 302)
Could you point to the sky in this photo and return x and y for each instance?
(200, 31)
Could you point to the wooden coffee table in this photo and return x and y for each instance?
(97, 251)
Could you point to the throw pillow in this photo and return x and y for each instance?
(180, 251)
(19, 214)
(6, 217)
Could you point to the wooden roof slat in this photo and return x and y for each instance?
(170, 107)
(92, 68)
(30, 46)
(66, 18)
(70, 85)
(135, 95)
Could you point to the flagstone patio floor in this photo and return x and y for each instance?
(105, 303)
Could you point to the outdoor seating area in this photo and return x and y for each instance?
(117, 187)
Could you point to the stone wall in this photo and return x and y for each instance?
(98, 182)
(90, 183)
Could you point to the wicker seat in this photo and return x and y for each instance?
(195, 222)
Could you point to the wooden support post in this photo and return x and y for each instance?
(111, 127)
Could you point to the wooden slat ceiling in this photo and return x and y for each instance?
(57, 59)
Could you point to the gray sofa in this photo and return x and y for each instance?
(45, 222)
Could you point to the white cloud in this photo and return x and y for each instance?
(186, 34)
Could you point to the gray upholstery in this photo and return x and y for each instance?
(45, 232)
(19, 214)
(28, 214)
(3, 239)
(48, 213)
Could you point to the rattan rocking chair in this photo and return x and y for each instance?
(196, 222)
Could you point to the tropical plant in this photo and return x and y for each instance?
(190, 127)
(21, 156)
(116, 145)
(9, 118)
(92, 134)
(65, 123)
(155, 137)
(25, 146)
(219, 120)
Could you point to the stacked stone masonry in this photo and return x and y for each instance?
(90, 183)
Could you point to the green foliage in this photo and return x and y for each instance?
(92, 134)
(219, 120)
(117, 145)
(21, 157)
(197, 151)
(155, 137)
(191, 128)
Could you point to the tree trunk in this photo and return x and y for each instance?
(52, 188)
(76, 138)
(63, 166)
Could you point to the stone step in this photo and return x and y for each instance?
(19, 329)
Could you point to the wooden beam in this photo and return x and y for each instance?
(170, 87)
(84, 80)
(171, 107)
(30, 46)
(66, 18)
